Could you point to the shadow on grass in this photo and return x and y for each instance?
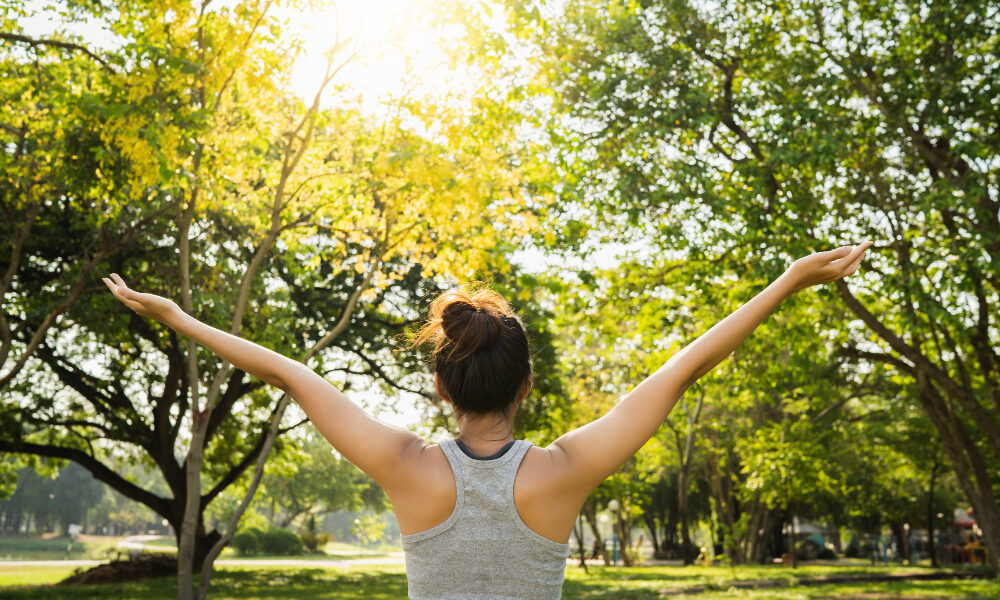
(247, 584)
(385, 582)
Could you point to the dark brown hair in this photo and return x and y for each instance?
(480, 349)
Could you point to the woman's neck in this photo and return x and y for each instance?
(485, 434)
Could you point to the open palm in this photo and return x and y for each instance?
(147, 305)
(824, 267)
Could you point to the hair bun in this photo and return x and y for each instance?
(480, 349)
(469, 327)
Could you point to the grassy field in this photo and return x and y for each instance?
(54, 548)
(103, 548)
(385, 582)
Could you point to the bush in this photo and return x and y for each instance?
(827, 554)
(315, 542)
(281, 541)
(247, 543)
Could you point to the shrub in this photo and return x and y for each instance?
(247, 542)
(281, 541)
(314, 542)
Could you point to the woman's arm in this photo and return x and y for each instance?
(376, 448)
(584, 457)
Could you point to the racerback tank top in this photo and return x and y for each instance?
(484, 551)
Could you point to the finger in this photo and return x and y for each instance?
(852, 267)
(835, 254)
(857, 253)
(108, 282)
(852, 254)
(123, 289)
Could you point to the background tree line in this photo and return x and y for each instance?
(707, 146)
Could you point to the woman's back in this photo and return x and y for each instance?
(544, 503)
(483, 549)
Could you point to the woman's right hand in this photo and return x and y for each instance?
(824, 267)
(146, 305)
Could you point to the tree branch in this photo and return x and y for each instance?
(100, 472)
(13, 37)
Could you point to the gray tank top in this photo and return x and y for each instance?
(484, 551)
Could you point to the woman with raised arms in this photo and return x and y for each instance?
(484, 516)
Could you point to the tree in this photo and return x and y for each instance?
(753, 133)
(316, 481)
(314, 231)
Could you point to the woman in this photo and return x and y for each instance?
(485, 516)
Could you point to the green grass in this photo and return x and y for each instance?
(33, 548)
(11, 575)
(389, 582)
(642, 583)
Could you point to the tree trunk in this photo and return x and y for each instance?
(931, 549)
(651, 527)
(682, 514)
(192, 521)
(686, 450)
(768, 530)
(625, 539)
(970, 468)
(791, 528)
(735, 547)
(578, 533)
(590, 512)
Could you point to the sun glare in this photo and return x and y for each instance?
(399, 52)
(399, 48)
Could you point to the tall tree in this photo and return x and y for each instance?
(312, 230)
(757, 131)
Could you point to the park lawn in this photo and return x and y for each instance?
(389, 581)
(21, 575)
(54, 548)
(646, 583)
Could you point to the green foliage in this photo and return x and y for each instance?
(280, 542)
(312, 538)
(301, 220)
(368, 528)
(247, 542)
(716, 144)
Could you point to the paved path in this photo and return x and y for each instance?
(138, 542)
(5, 564)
